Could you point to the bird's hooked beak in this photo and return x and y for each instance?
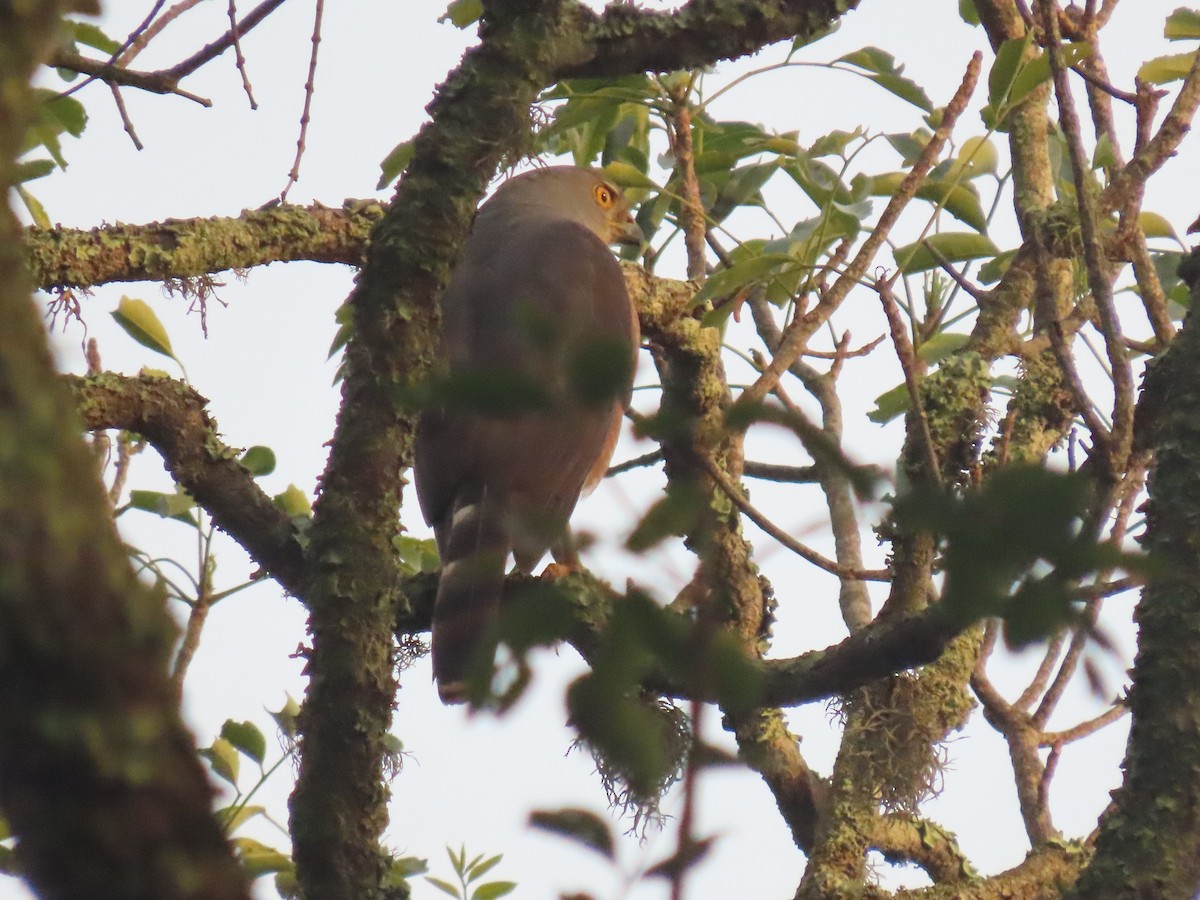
(627, 231)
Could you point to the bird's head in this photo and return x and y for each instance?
(586, 196)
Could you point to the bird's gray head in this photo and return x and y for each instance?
(586, 196)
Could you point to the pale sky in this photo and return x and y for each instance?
(264, 369)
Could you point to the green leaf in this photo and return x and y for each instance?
(234, 817)
(823, 31)
(1182, 25)
(889, 405)
(494, 889)
(287, 886)
(91, 36)
(675, 514)
(960, 200)
(417, 555)
(344, 317)
(444, 886)
(258, 859)
(977, 156)
(177, 506)
(881, 68)
(1155, 225)
(392, 166)
(140, 323)
(67, 112)
(1164, 69)
(223, 758)
(578, 825)
(738, 684)
(834, 143)
(741, 187)
(1008, 63)
(1015, 548)
(480, 867)
(406, 866)
(951, 246)
(627, 176)
(536, 616)
(462, 13)
(37, 212)
(993, 270)
(293, 502)
(752, 270)
(459, 860)
(1105, 155)
(246, 739)
(682, 860)
(259, 460)
(909, 146)
(600, 370)
(285, 716)
(941, 345)
(1019, 75)
(31, 169)
(967, 12)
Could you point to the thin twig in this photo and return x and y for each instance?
(151, 27)
(209, 52)
(294, 174)
(163, 81)
(840, 355)
(691, 209)
(1150, 154)
(1132, 489)
(125, 120)
(802, 328)
(239, 59)
(1041, 678)
(977, 293)
(1103, 85)
(780, 473)
(1117, 449)
(739, 500)
(638, 462)
(1083, 729)
(909, 364)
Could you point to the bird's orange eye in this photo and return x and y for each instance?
(604, 195)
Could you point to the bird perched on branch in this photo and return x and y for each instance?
(539, 338)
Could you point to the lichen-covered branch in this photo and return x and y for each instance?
(479, 117)
(174, 418)
(99, 780)
(1149, 843)
(884, 647)
(627, 38)
(180, 249)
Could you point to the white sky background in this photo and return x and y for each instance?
(265, 371)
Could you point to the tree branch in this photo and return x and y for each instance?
(627, 38)
(192, 248)
(173, 417)
(99, 778)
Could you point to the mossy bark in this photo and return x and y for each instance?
(99, 780)
(1149, 842)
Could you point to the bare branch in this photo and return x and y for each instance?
(739, 500)
(294, 174)
(1099, 278)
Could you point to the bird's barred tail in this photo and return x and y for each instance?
(468, 596)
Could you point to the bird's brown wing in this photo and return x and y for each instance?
(525, 305)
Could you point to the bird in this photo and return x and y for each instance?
(538, 311)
